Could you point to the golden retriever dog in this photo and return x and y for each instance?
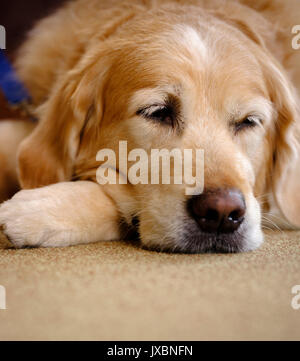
(218, 75)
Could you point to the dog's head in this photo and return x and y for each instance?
(178, 82)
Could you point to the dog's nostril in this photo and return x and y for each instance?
(218, 211)
(235, 216)
(212, 215)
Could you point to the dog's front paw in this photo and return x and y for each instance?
(21, 220)
(59, 215)
(30, 219)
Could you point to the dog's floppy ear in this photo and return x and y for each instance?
(285, 167)
(286, 176)
(47, 155)
(287, 191)
(285, 170)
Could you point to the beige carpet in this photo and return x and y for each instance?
(114, 291)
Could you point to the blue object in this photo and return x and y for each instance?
(11, 86)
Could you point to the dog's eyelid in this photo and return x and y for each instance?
(248, 121)
(149, 109)
(166, 112)
(255, 118)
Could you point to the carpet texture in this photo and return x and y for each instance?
(115, 291)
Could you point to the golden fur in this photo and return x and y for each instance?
(92, 64)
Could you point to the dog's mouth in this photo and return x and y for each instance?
(216, 221)
(190, 241)
(204, 243)
(197, 242)
(130, 231)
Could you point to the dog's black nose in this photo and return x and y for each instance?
(218, 211)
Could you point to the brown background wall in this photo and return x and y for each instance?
(18, 17)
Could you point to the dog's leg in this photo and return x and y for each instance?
(12, 132)
(59, 215)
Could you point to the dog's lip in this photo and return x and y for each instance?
(203, 243)
(130, 231)
(192, 241)
(191, 250)
(219, 244)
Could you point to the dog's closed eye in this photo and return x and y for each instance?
(159, 112)
(166, 113)
(250, 121)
